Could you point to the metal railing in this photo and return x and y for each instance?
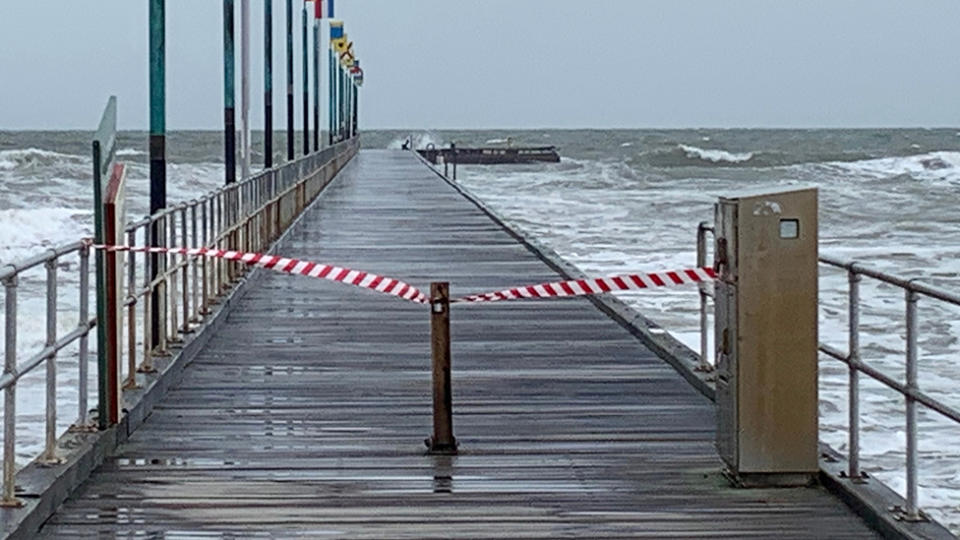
(911, 392)
(13, 372)
(248, 215)
(913, 395)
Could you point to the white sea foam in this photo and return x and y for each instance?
(32, 157)
(130, 152)
(931, 166)
(715, 155)
(27, 231)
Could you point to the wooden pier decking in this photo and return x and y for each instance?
(306, 415)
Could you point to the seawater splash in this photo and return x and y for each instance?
(27, 231)
(715, 155)
(34, 159)
(419, 140)
(929, 167)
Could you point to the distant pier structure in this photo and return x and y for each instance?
(490, 155)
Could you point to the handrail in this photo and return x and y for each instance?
(12, 372)
(913, 289)
(248, 215)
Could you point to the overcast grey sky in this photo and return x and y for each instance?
(514, 63)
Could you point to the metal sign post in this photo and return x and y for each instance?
(104, 150)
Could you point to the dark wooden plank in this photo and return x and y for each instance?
(306, 416)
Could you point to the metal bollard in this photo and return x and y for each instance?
(442, 441)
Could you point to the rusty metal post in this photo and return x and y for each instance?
(442, 441)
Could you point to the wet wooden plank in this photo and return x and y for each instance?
(306, 416)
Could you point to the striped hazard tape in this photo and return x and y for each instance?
(366, 280)
(395, 287)
(579, 287)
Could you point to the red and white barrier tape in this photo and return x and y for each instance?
(394, 287)
(579, 287)
(385, 285)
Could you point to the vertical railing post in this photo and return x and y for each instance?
(912, 511)
(149, 311)
(50, 443)
(702, 289)
(185, 262)
(854, 394)
(442, 441)
(170, 224)
(204, 277)
(195, 262)
(84, 323)
(9, 394)
(131, 380)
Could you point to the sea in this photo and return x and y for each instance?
(618, 201)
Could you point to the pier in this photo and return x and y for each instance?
(305, 412)
(281, 356)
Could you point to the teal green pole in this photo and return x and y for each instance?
(316, 84)
(343, 95)
(356, 109)
(306, 83)
(268, 84)
(158, 163)
(229, 101)
(290, 134)
(331, 94)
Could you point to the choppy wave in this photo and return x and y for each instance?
(715, 155)
(930, 166)
(26, 231)
(35, 158)
(683, 155)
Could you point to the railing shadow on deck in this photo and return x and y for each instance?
(193, 295)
